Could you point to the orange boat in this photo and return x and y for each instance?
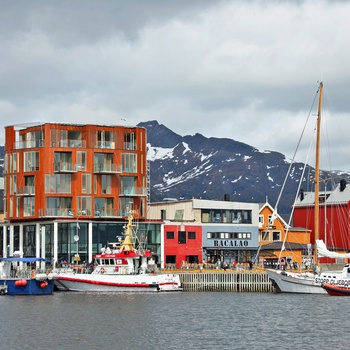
(335, 290)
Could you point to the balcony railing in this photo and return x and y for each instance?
(25, 191)
(107, 168)
(29, 144)
(106, 144)
(56, 212)
(68, 144)
(132, 191)
(65, 167)
(107, 213)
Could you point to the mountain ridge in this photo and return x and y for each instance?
(219, 168)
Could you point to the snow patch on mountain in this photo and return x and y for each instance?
(159, 153)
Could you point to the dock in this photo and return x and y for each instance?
(225, 281)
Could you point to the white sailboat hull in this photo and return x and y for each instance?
(118, 283)
(291, 282)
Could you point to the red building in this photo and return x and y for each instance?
(182, 244)
(334, 217)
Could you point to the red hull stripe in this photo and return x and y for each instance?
(135, 285)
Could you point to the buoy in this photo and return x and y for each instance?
(43, 284)
(24, 282)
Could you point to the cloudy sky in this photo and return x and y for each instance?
(245, 70)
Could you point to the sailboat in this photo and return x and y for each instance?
(311, 282)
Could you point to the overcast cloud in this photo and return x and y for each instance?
(244, 70)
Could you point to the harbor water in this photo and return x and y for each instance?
(184, 320)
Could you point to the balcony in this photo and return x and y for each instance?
(107, 213)
(56, 212)
(65, 167)
(25, 191)
(131, 191)
(106, 144)
(105, 168)
(68, 144)
(29, 144)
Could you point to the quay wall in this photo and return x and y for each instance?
(226, 281)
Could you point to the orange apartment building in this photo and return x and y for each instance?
(67, 185)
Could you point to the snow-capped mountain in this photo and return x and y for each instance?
(218, 169)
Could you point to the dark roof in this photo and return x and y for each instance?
(288, 246)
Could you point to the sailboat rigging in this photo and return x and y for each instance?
(310, 282)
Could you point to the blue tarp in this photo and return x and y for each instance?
(28, 260)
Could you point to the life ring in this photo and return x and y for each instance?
(33, 273)
(102, 270)
(116, 268)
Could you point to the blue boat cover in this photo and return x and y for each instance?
(28, 260)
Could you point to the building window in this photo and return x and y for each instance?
(106, 184)
(63, 161)
(18, 206)
(182, 237)
(13, 184)
(86, 183)
(13, 162)
(129, 163)
(81, 160)
(128, 185)
(261, 219)
(104, 207)
(191, 235)
(170, 259)
(84, 205)
(105, 139)
(179, 215)
(276, 235)
(130, 141)
(265, 236)
(170, 235)
(28, 206)
(163, 214)
(103, 162)
(58, 206)
(58, 183)
(31, 161)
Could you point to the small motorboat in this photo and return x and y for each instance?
(20, 276)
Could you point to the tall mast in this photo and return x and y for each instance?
(317, 173)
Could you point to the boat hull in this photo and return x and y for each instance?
(294, 283)
(335, 290)
(32, 287)
(118, 283)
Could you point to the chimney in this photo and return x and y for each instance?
(342, 185)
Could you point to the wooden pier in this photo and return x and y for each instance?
(226, 281)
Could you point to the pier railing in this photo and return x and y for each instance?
(228, 281)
